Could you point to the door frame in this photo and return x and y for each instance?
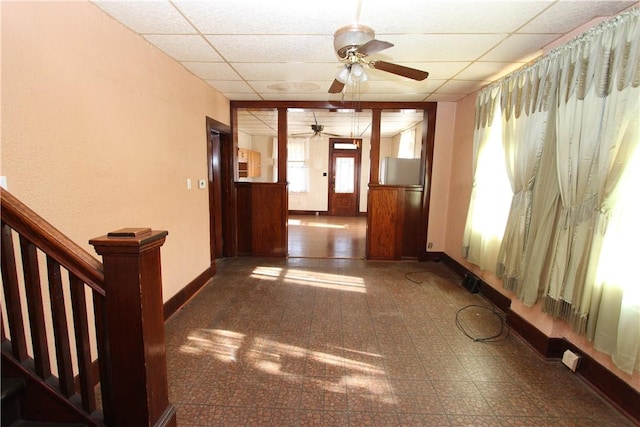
(357, 169)
(221, 199)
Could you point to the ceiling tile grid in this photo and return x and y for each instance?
(263, 44)
(283, 49)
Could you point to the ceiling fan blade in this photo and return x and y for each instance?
(400, 70)
(373, 46)
(336, 87)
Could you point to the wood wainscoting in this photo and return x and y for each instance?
(394, 220)
(262, 218)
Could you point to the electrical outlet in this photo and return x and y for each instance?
(202, 183)
(429, 245)
(570, 360)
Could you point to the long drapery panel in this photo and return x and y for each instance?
(611, 298)
(588, 123)
(527, 102)
(490, 193)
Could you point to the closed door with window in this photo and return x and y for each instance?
(344, 177)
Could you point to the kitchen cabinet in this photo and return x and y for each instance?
(249, 163)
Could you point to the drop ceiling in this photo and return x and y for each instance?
(283, 50)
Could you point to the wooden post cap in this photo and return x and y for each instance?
(129, 240)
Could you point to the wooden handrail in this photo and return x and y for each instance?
(127, 308)
(51, 241)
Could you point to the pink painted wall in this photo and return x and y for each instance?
(100, 130)
(442, 151)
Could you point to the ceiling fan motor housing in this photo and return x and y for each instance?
(350, 37)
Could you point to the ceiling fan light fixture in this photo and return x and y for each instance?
(343, 75)
(351, 36)
(357, 71)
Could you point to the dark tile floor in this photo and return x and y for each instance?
(354, 343)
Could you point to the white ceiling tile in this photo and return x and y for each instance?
(488, 71)
(283, 49)
(230, 86)
(273, 17)
(448, 16)
(212, 70)
(242, 96)
(184, 47)
(280, 96)
(441, 97)
(438, 47)
(147, 17)
(274, 48)
(519, 47)
(295, 71)
(462, 86)
(564, 16)
(270, 86)
(438, 70)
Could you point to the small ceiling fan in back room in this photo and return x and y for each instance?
(316, 129)
(353, 43)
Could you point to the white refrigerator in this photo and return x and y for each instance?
(395, 171)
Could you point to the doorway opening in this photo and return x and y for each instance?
(344, 176)
(340, 231)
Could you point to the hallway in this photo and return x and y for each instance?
(325, 236)
(350, 343)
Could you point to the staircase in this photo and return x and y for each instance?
(13, 391)
(82, 341)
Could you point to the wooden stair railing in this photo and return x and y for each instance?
(123, 318)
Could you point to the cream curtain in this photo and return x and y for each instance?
(527, 102)
(490, 193)
(588, 121)
(611, 298)
(570, 141)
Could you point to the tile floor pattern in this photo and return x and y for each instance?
(353, 343)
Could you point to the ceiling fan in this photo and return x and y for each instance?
(355, 42)
(317, 129)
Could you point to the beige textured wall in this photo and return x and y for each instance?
(100, 131)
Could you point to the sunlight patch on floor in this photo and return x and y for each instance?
(324, 280)
(316, 224)
(311, 278)
(221, 344)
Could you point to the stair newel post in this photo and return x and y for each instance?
(135, 327)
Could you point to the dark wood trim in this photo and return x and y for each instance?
(458, 268)
(282, 145)
(428, 142)
(51, 241)
(361, 105)
(217, 134)
(432, 256)
(616, 391)
(374, 152)
(45, 403)
(135, 329)
(619, 393)
(184, 295)
(547, 347)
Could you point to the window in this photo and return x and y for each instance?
(297, 169)
(407, 144)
